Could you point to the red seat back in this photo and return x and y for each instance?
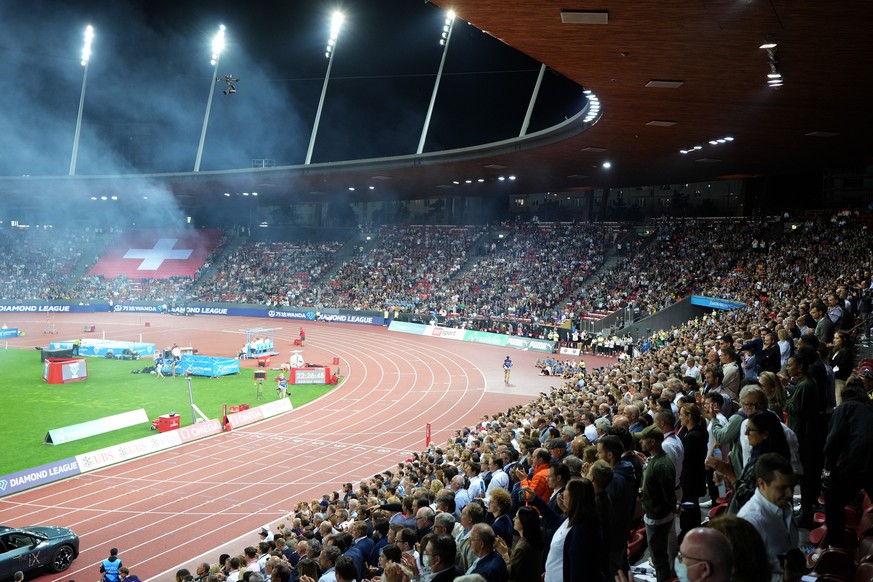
(836, 562)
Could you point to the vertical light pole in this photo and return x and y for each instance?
(217, 47)
(86, 56)
(336, 23)
(444, 41)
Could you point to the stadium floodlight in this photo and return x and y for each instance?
(444, 41)
(86, 57)
(336, 23)
(217, 47)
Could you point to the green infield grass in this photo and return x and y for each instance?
(31, 407)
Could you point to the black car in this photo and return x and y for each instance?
(36, 548)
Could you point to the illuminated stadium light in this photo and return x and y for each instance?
(607, 165)
(217, 46)
(445, 37)
(86, 58)
(86, 48)
(715, 141)
(774, 77)
(593, 106)
(512, 177)
(336, 23)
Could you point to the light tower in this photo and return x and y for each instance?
(444, 41)
(336, 23)
(217, 47)
(86, 56)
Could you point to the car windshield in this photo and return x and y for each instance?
(35, 534)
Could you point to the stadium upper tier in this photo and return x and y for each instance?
(520, 271)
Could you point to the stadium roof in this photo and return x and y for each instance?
(669, 75)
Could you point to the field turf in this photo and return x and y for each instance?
(30, 407)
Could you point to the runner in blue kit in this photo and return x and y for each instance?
(282, 386)
(507, 368)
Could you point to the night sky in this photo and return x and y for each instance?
(149, 79)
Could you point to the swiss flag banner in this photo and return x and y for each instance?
(156, 254)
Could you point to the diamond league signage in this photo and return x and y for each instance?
(331, 315)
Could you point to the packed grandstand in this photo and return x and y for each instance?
(791, 281)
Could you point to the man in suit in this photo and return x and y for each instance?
(488, 563)
(360, 541)
(440, 552)
(558, 476)
(824, 327)
(380, 540)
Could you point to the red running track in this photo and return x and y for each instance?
(176, 508)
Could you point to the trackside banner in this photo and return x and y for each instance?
(479, 337)
(406, 327)
(303, 314)
(257, 413)
(21, 480)
(209, 366)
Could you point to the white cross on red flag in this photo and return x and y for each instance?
(156, 254)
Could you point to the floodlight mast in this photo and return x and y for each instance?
(336, 23)
(446, 37)
(86, 56)
(217, 47)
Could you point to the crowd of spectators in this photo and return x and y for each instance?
(525, 274)
(403, 266)
(688, 422)
(38, 262)
(270, 273)
(533, 274)
(685, 256)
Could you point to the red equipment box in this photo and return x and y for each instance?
(168, 422)
(64, 370)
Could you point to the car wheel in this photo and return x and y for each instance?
(61, 559)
